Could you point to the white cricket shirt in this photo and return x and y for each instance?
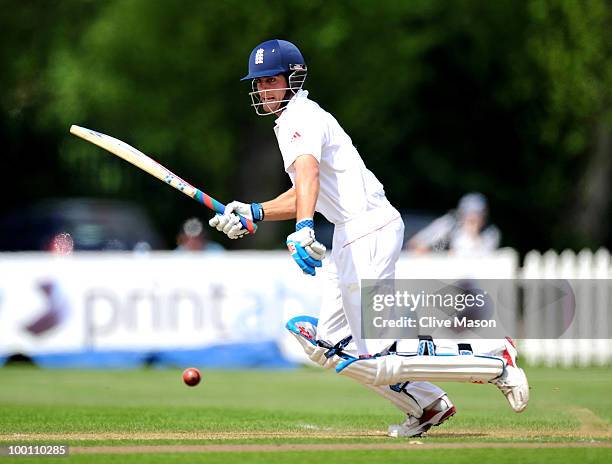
(349, 192)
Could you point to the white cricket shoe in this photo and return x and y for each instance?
(513, 382)
(433, 415)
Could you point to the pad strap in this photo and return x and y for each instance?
(336, 349)
(427, 346)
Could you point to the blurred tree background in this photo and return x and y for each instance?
(509, 98)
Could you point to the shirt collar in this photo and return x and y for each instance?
(299, 96)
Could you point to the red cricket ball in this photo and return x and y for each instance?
(191, 376)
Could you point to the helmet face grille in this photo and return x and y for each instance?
(295, 81)
(297, 78)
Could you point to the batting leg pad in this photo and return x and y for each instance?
(393, 368)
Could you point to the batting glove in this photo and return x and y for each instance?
(304, 248)
(229, 222)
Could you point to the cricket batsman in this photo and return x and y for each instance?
(329, 176)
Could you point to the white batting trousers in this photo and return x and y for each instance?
(372, 256)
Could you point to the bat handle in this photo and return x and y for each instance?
(219, 207)
(248, 224)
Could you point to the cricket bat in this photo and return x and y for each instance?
(149, 165)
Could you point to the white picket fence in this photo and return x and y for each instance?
(586, 341)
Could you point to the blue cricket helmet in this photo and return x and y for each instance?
(274, 57)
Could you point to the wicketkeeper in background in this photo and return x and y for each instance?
(329, 176)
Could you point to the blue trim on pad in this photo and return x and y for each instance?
(291, 327)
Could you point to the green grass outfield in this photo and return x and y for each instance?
(302, 415)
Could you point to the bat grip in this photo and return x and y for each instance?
(219, 207)
(248, 224)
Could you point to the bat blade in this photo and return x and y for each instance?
(146, 163)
